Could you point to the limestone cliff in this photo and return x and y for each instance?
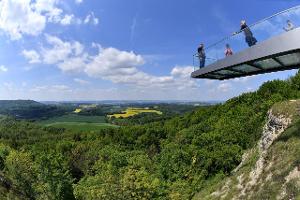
(271, 170)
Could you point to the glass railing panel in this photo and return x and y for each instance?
(262, 30)
(196, 61)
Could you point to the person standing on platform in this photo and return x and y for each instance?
(228, 50)
(250, 39)
(201, 55)
(290, 26)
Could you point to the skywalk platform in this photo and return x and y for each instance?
(279, 53)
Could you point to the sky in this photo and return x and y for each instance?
(126, 49)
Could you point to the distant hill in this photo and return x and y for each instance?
(13, 104)
(135, 102)
(29, 109)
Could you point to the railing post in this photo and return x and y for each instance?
(194, 63)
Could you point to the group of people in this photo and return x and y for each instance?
(249, 38)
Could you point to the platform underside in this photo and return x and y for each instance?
(276, 54)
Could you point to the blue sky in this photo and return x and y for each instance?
(124, 50)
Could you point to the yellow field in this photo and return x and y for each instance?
(78, 110)
(129, 112)
(83, 107)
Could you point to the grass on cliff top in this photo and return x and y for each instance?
(288, 109)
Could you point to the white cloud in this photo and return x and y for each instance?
(120, 67)
(95, 21)
(55, 15)
(74, 64)
(224, 87)
(59, 50)
(28, 68)
(51, 88)
(67, 20)
(8, 85)
(97, 46)
(81, 81)
(87, 19)
(61, 87)
(77, 48)
(243, 79)
(111, 61)
(38, 88)
(78, 1)
(68, 56)
(32, 56)
(28, 17)
(132, 28)
(18, 17)
(182, 72)
(44, 5)
(24, 84)
(3, 68)
(90, 18)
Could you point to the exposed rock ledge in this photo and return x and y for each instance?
(276, 124)
(274, 127)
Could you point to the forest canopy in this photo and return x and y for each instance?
(165, 159)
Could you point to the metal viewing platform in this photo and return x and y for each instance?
(279, 53)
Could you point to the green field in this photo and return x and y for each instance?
(81, 126)
(77, 122)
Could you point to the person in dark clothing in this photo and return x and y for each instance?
(201, 55)
(250, 39)
(290, 26)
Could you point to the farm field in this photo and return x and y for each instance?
(77, 122)
(129, 112)
(81, 126)
(75, 118)
(78, 110)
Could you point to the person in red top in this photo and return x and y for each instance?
(228, 50)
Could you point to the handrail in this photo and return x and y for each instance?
(207, 58)
(252, 25)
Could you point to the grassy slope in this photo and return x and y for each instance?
(283, 159)
(75, 118)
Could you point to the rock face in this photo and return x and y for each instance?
(274, 127)
(267, 170)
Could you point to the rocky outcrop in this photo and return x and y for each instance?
(274, 127)
(241, 184)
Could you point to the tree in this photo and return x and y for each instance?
(22, 171)
(56, 179)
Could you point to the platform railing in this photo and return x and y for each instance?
(262, 30)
